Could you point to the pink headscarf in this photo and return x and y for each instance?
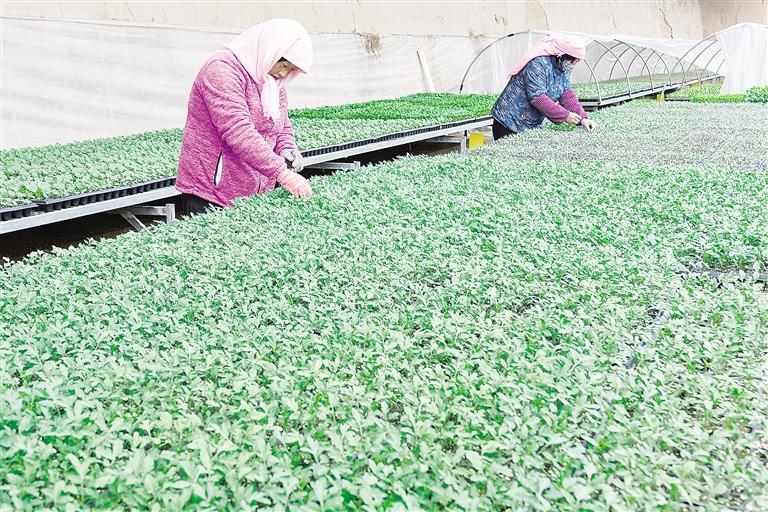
(553, 44)
(262, 46)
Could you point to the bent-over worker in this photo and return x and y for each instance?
(539, 87)
(238, 140)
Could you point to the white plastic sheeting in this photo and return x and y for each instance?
(69, 80)
(65, 80)
(740, 53)
(746, 52)
(608, 57)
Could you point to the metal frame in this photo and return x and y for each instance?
(609, 49)
(660, 56)
(132, 201)
(75, 212)
(375, 146)
(718, 52)
(618, 43)
(597, 82)
(528, 32)
(335, 166)
(466, 73)
(618, 60)
(460, 140)
(645, 64)
(712, 40)
(129, 214)
(717, 71)
(659, 59)
(513, 34)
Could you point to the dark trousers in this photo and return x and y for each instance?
(499, 130)
(193, 205)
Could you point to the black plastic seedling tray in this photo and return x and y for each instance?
(390, 136)
(18, 211)
(49, 205)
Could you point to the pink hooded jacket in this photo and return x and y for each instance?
(237, 122)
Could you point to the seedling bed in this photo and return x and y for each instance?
(49, 205)
(403, 337)
(391, 136)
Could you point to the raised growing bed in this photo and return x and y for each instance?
(64, 175)
(49, 205)
(390, 136)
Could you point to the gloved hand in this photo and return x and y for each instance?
(588, 124)
(294, 159)
(573, 119)
(297, 185)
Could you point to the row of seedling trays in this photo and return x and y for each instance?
(391, 136)
(49, 205)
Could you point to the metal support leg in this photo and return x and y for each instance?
(335, 166)
(132, 220)
(129, 214)
(170, 212)
(460, 140)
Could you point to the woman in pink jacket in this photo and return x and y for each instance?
(238, 140)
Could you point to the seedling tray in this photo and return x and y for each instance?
(390, 136)
(49, 205)
(18, 211)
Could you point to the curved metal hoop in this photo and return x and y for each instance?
(481, 52)
(645, 64)
(685, 71)
(661, 59)
(638, 54)
(717, 71)
(606, 53)
(718, 52)
(597, 83)
(626, 75)
(466, 73)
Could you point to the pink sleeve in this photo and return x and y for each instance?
(550, 109)
(571, 102)
(223, 90)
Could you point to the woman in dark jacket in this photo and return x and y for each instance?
(540, 87)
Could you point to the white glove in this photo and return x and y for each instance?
(294, 159)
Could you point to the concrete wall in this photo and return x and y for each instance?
(680, 19)
(716, 15)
